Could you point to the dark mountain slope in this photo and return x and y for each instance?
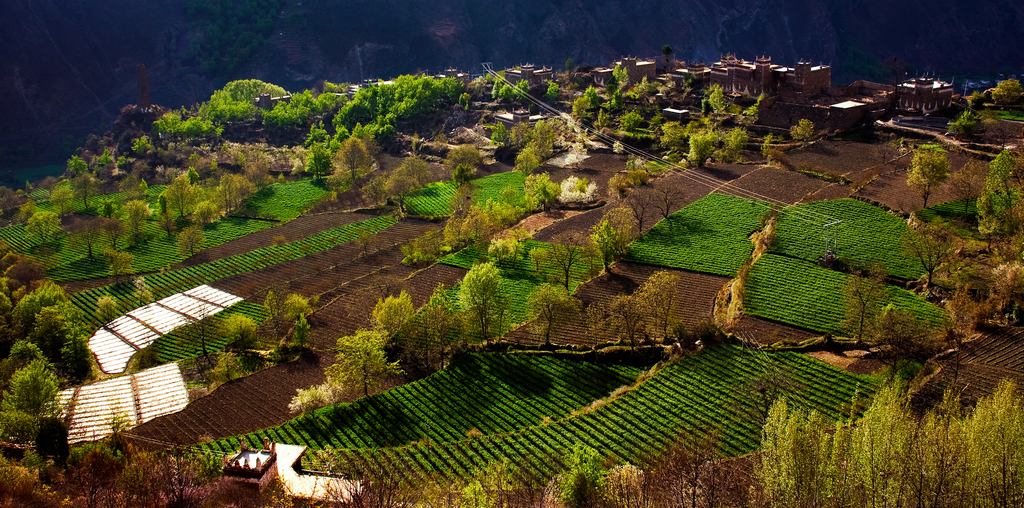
(70, 65)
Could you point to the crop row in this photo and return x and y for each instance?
(805, 295)
(486, 393)
(167, 283)
(709, 393)
(711, 235)
(284, 200)
(437, 199)
(187, 341)
(520, 277)
(865, 235)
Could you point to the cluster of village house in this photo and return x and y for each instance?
(792, 93)
(802, 91)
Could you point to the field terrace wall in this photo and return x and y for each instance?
(115, 343)
(135, 399)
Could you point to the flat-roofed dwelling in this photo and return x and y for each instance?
(636, 68)
(515, 117)
(455, 73)
(924, 95)
(532, 74)
(742, 77)
(265, 101)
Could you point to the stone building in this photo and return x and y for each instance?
(742, 77)
(924, 95)
(637, 69)
(265, 101)
(455, 73)
(531, 74)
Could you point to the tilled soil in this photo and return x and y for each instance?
(240, 406)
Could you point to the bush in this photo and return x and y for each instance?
(577, 191)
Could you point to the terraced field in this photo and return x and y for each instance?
(808, 296)
(437, 199)
(186, 342)
(696, 396)
(167, 283)
(519, 279)
(284, 200)
(711, 235)
(70, 262)
(867, 235)
(694, 301)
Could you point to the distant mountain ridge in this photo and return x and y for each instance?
(71, 65)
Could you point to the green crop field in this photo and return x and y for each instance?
(492, 393)
(965, 210)
(41, 197)
(186, 342)
(519, 279)
(167, 283)
(692, 398)
(436, 199)
(806, 295)
(69, 261)
(867, 235)
(711, 235)
(283, 200)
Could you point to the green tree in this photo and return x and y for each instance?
(803, 131)
(631, 121)
(702, 146)
(318, 161)
(392, 313)
(999, 196)
(928, 170)
(734, 141)
(480, 298)
(580, 485)
(714, 97)
(86, 185)
(362, 365)
(673, 136)
(75, 358)
(134, 213)
(967, 123)
(142, 146)
(44, 225)
(232, 191)
(301, 333)
(540, 191)
(180, 195)
(31, 394)
(61, 197)
(611, 237)
(550, 307)
(462, 163)
(190, 240)
(411, 174)
(931, 245)
(295, 305)
(87, 232)
(107, 308)
(1007, 92)
(551, 93)
(864, 297)
(527, 161)
(240, 332)
(76, 166)
(353, 159)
